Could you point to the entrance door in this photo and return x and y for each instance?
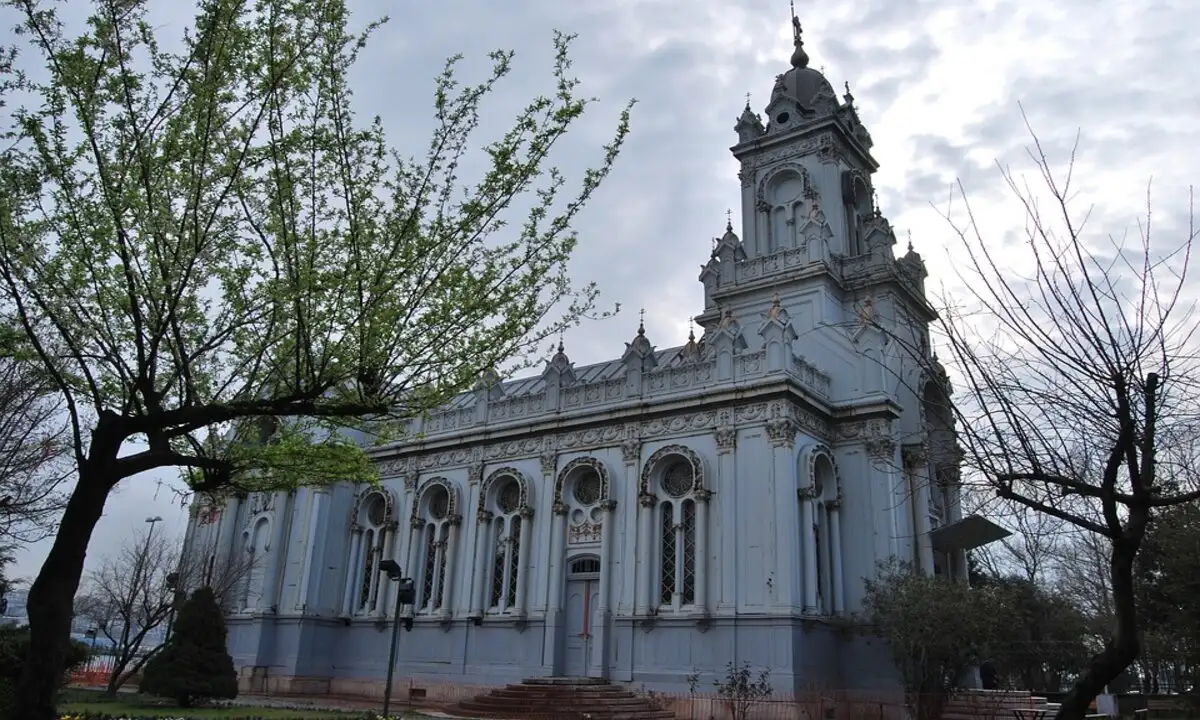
(583, 601)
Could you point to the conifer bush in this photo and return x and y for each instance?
(194, 665)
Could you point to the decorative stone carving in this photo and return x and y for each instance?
(525, 511)
(483, 516)
(451, 492)
(880, 447)
(631, 451)
(455, 520)
(549, 463)
(575, 465)
(364, 496)
(702, 495)
(475, 474)
(416, 523)
(808, 492)
(500, 475)
(725, 438)
(664, 452)
(646, 500)
(914, 455)
(809, 457)
(608, 505)
(615, 435)
(781, 431)
(560, 508)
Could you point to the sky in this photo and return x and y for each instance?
(940, 84)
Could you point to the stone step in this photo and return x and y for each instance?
(565, 691)
(566, 698)
(527, 697)
(476, 710)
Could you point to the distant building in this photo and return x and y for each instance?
(667, 510)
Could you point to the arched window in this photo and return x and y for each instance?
(256, 539)
(373, 538)
(821, 535)
(504, 525)
(676, 523)
(434, 526)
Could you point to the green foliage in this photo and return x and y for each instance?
(1041, 636)
(739, 690)
(193, 238)
(14, 644)
(194, 665)
(936, 628)
(1168, 589)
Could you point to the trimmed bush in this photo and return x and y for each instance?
(194, 665)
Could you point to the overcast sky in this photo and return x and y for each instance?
(937, 83)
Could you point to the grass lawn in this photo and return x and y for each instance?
(80, 701)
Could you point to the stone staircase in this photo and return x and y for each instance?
(555, 698)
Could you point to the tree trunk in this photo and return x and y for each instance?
(52, 596)
(1122, 648)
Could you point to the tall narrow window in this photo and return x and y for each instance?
(371, 540)
(504, 499)
(677, 524)
(434, 549)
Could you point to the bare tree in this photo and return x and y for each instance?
(204, 566)
(128, 597)
(35, 454)
(1076, 376)
(1031, 550)
(137, 589)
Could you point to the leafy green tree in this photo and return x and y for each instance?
(911, 611)
(14, 646)
(1168, 575)
(194, 665)
(1041, 636)
(197, 241)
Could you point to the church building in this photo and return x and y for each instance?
(662, 513)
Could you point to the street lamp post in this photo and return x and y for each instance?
(405, 595)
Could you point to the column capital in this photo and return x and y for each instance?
(631, 451)
(608, 505)
(702, 495)
(483, 516)
(782, 432)
(807, 493)
(725, 437)
(525, 511)
(647, 500)
(560, 508)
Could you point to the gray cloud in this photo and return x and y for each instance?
(937, 82)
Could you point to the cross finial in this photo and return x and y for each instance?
(560, 341)
(747, 101)
(729, 219)
(642, 321)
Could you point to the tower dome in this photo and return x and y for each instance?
(801, 83)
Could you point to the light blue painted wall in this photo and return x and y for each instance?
(790, 370)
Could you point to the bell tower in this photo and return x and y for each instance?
(807, 205)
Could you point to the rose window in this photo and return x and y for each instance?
(439, 503)
(376, 511)
(678, 479)
(509, 498)
(587, 488)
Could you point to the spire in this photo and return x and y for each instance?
(799, 57)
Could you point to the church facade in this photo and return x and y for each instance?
(662, 513)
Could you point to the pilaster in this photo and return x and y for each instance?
(916, 466)
(725, 437)
(781, 432)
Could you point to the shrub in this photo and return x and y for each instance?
(194, 665)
